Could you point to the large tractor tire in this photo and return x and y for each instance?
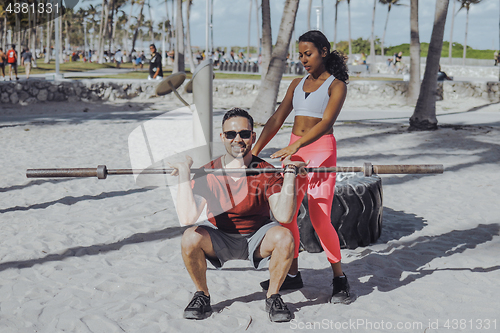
(356, 213)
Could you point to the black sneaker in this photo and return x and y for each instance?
(289, 283)
(341, 291)
(277, 309)
(199, 307)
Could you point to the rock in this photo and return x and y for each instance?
(43, 95)
(4, 98)
(14, 98)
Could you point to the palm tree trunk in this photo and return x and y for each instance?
(265, 103)
(49, 36)
(179, 40)
(102, 32)
(139, 23)
(349, 28)
(372, 41)
(267, 42)
(249, 27)
(335, 30)
(258, 28)
(385, 29)
(189, 53)
(414, 84)
(424, 116)
(450, 47)
(465, 40)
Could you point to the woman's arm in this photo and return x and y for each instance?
(276, 120)
(338, 91)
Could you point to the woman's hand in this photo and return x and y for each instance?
(286, 152)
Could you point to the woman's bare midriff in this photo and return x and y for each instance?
(303, 124)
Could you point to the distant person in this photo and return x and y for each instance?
(495, 57)
(443, 76)
(199, 57)
(155, 70)
(363, 58)
(398, 61)
(26, 60)
(118, 58)
(12, 61)
(3, 60)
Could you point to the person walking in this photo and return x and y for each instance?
(155, 68)
(26, 60)
(3, 60)
(12, 61)
(317, 100)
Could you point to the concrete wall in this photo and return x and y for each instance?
(38, 91)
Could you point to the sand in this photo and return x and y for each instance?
(89, 255)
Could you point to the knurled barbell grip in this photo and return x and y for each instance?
(55, 173)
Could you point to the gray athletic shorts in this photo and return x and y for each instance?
(236, 246)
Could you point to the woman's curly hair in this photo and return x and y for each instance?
(335, 61)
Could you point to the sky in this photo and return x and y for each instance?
(230, 21)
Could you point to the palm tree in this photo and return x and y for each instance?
(349, 28)
(466, 4)
(389, 4)
(265, 103)
(267, 41)
(249, 27)
(450, 46)
(372, 41)
(179, 65)
(424, 116)
(139, 24)
(188, 37)
(335, 24)
(414, 84)
(102, 30)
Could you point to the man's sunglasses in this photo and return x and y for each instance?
(245, 134)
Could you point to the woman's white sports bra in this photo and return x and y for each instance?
(311, 104)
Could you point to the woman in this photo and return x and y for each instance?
(317, 100)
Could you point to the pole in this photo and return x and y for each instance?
(102, 171)
(58, 42)
(207, 30)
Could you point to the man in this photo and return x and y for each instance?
(155, 70)
(3, 59)
(26, 60)
(238, 210)
(12, 61)
(118, 58)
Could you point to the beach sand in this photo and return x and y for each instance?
(89, 255)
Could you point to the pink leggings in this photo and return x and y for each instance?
(320, 189)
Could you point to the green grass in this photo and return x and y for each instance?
(456, 52)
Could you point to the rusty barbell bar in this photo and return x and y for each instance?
(101, 172)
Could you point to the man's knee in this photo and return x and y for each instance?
(193, 238)
(283, 238)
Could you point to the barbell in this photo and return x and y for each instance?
(101, 172)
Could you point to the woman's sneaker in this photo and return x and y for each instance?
(277, 309)
(199, 307)
(341, 291)
(288, 284)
